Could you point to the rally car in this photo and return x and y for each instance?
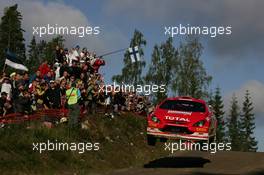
(181, 118)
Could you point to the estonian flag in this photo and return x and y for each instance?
(134, 54)
(13, 61)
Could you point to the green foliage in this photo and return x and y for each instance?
(180, 70)
(191, 78)
(11, 34)
(241, 125)
(249, 142)
(234, 125)
(122, 145)
(48, 52)
(217, 104)
(32, 55)
(43, 50)
(163, 62)
(131, 73)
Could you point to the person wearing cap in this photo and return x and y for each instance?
(12, 75)
(72, 97)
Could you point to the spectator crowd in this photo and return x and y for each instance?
(26, 93)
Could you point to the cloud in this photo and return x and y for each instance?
(256, 89)
(244, 17)
(37, 13)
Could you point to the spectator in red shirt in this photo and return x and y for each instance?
(44, 68)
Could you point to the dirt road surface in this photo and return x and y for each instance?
(204, 163)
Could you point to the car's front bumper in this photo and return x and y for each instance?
(196, 136)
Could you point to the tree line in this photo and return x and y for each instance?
(180, 69)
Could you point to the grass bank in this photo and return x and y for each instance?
(122, 145)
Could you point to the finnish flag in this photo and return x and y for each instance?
(134, 54)
(14, 62)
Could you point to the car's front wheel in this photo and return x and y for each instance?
(151, 140)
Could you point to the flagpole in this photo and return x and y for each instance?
(4, 68)
(113, 52)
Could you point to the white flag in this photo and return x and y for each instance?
(13, 61)
(134, 54)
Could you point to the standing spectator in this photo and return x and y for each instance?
(5, 105)
(59, 54)
(26, 79)
(52, 96)
(35, 76)
(108, 102)
(23, 104)
(75, 70)
(6, 87)
(73, 95)
(119, 101)
(64, 67)
(39, 94)
(44, 68)
(48, 77)
(65, 76)
(91, 95)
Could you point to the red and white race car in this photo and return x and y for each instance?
(181, 118)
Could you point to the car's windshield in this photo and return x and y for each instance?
(183, 105)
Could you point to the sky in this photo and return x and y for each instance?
(235, 61)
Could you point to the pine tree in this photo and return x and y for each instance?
(43, 50)
(163, 63)
(41, 47)
(32, 55)
(210, 100)
(154, 74)
(217, 104)
(11, 33)
(192, 79)
(131, 73)
(249, 142)
(49, 53)
(233, 125)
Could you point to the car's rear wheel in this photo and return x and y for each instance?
(151, 140)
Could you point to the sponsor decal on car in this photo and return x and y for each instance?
(177, 118)
(179, 112)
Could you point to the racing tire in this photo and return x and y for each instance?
(151, 140)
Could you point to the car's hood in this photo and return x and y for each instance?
(180, 116)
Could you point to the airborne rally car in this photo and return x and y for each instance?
(181, 118)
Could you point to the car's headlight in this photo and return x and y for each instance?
(155, 119)
(200, 123)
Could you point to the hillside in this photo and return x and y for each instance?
(122, 150)
(122, 145)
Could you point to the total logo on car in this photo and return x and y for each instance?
(181, 118)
